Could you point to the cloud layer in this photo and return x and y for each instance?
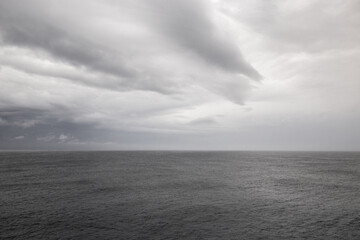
(179, 74)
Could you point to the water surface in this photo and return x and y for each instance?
(179, 195)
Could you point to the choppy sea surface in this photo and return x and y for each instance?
(179, 195)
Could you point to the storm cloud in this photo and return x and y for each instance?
(179, 74)
(191, 24)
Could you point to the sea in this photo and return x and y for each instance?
(179, 195)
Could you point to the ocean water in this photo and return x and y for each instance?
(179, 195)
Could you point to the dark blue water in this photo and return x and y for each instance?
(179, 195)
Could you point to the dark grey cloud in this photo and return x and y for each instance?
(25, 29)
(71, 136)
(21, 117)
(32, 27)
(49, 135)
(191, 24)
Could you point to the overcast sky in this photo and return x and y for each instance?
(180, 74)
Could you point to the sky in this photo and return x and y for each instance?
(180, 75)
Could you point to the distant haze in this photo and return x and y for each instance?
(180, 74)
